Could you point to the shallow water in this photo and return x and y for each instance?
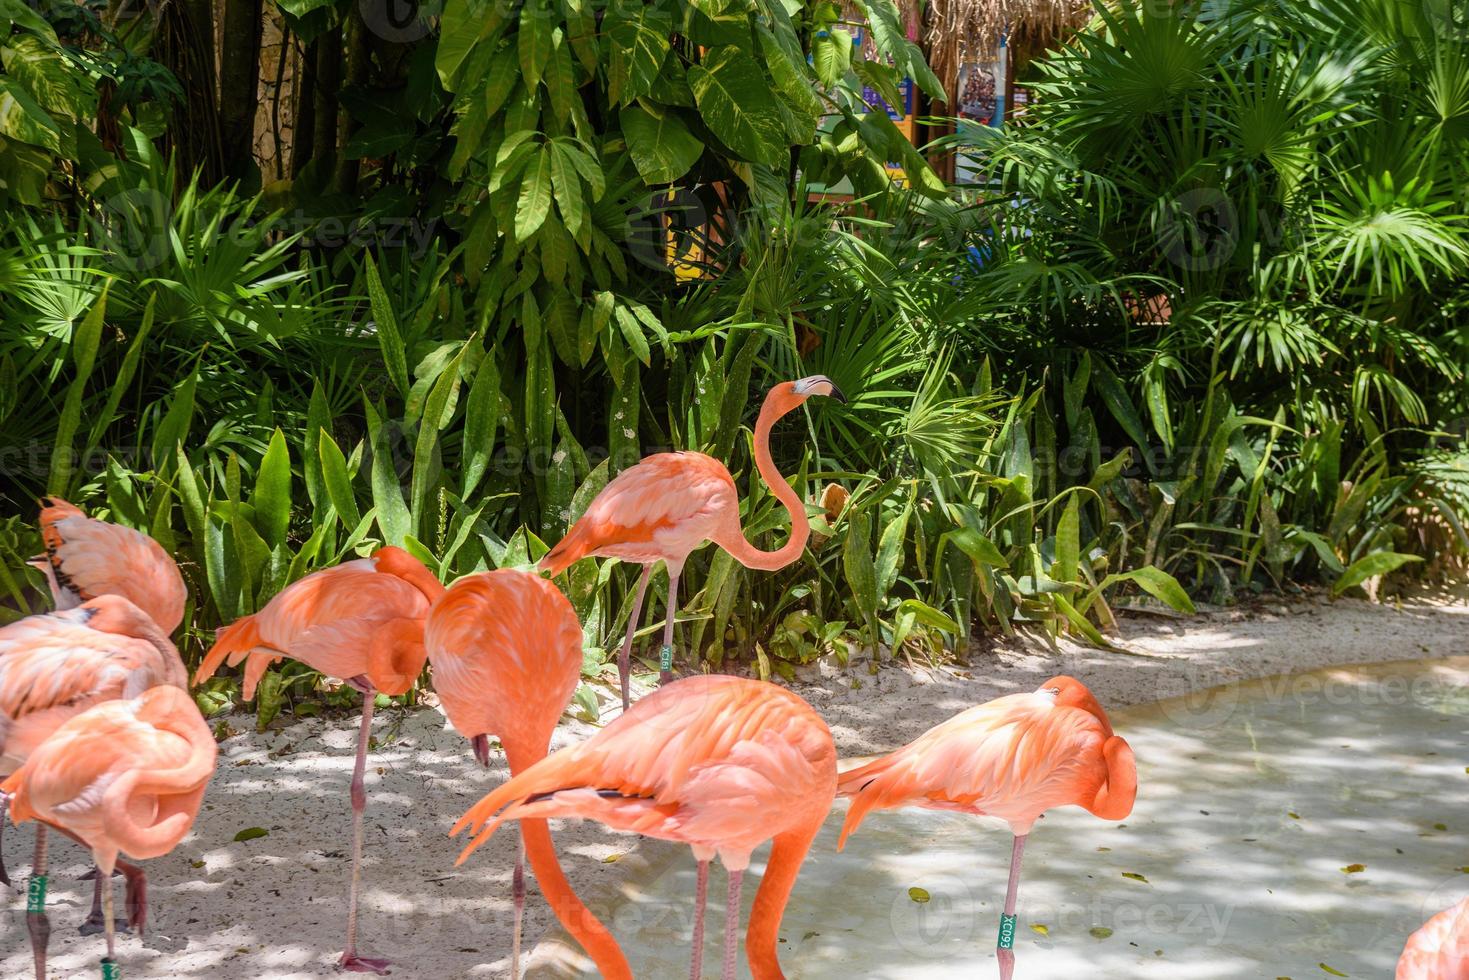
(1256, 805)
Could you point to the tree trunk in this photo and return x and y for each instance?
(185, 46)
(324, 94)
(239, 84)
(303, 127)
(359, 63)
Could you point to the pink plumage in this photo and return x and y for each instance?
(1439, 950)
(86, 558)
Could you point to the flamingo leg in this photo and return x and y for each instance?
(732, 924)
(517, 890)
(1004, 950)
(624, 657)
(37, 925)
(93, 923)
(350, 961)
(137, 888)
(701, 897)
(109, 965)
(4, 809)
(665, 656)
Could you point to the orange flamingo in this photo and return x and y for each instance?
(124, 776)
(505, 651)
(53, 667)
(720, 763)
(1439, 950)
(361, 621)
(86, 558)
(670, 504)
(1014, 758)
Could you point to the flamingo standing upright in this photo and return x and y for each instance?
(1439, 950)
(505, 651)
(86, 558)
(124, 776)
(1014, 758)
(720, 763)
(361, 621)
(670, 504)
(54, 666)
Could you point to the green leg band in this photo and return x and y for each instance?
(665, 658)
(110, 970)
(1007, 931)
(36, 894)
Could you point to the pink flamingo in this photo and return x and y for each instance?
(1439, 950)
(505, 651)
(1014, 758)
(670, 504)
(124, 776)
(361, 621)
(86, 558)
(720, 763)
(53, 667)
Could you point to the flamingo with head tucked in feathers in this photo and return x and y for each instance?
(1014, 758)
(123, 777)
(670, 504)
(53, 667)
(361, 621)
(86, 558)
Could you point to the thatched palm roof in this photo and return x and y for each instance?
(961, 30)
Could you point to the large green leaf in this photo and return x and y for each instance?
(23, 120)
(390, 338)
(738, 104)
(336, 479)
(534, 202)
(56, 85)
(534, 42)
(272, 497)
(1369, 566)
(661, 145)
(637, 42)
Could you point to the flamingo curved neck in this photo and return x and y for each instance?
(741, 549)
(786, 855)
(540, 851)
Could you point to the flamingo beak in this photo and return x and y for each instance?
(837, 393)
(481, 745)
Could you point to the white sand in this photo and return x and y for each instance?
(274, 906)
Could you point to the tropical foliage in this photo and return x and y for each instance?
(1200, 330)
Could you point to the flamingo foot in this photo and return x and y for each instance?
(136, 896)
(95, 923)
(353, 963)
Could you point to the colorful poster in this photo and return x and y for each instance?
(982, 102)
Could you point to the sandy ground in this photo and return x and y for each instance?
(274, 906)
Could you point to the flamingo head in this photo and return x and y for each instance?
(1072, 693)
(816, 384)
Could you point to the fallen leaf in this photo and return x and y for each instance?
(918, 895)
(1135, 877)
(1465, 869)
(1352, 869)
(1293, 815)
(611, 859)
(1335, 973)
(1440, 826)
(1101, 932)
(1040, 929)
(250, 833)
(1104, 850)
(196, 865)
